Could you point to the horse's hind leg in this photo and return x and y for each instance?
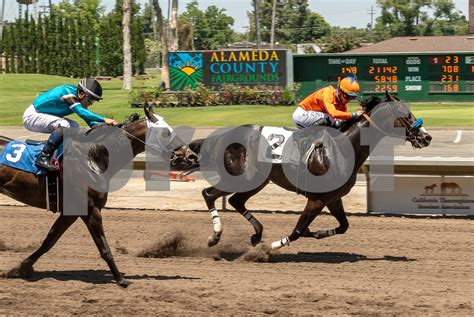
(238, 201)
(312, 209)
(337, 210)
(59, 227)
(210, 195)
(94, 223)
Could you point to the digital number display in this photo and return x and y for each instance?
(445, 73)
(404, 74)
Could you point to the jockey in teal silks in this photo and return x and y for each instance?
(46, 114)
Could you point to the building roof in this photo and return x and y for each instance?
(418, 44)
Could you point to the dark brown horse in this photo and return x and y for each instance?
(236, 161)
(31, 190)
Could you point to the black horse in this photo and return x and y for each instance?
(30, 189)
(236, 160)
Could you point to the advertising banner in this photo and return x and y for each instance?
(433, 195)
(233, 67)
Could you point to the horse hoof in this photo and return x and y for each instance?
(211, 241)
(25, 270)
(256, 239)
(123, 283)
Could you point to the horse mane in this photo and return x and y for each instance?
(369, 104)
(131, 119)
(98, 153)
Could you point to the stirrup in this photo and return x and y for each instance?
(47, 163)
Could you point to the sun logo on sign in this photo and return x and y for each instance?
(185, 70)
(189, 69)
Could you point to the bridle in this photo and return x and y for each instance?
(409, 125)
(157, 149)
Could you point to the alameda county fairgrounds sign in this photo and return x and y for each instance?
(236, 67)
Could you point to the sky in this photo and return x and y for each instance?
(344, 13)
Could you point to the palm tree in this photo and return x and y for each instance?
(127, 50)
(272, 30)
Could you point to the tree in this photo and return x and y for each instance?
(412, 17)
(173, 26)
(293, 22)
(272, 28)
(446, 20)
(257, 21)
(185, 34)
(127, 50)
(165, 71)
(341, 40)
(212, 29)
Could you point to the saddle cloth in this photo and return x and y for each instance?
(22, 156)
(277, 139)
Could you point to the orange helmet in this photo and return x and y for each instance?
(350, 86)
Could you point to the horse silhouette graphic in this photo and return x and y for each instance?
(453, 187)
(430, 189)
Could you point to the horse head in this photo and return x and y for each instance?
(390, 113)
(182, 157)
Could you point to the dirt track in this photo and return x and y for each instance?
(380, 266)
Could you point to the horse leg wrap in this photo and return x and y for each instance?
(324, 233)
(250, 218)
(281, 243)
(216, 221)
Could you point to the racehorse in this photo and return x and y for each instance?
(30, 189)
(236, 161)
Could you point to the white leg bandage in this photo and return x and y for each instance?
(280, 243)
(216, 221)
(324, 233)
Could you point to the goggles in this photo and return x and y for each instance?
(90, 99)
(347, 97)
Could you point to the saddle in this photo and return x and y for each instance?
(316, 156)
(52, 179)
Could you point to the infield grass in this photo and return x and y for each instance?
(17, 91)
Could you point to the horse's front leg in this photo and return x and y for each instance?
(94, 224)
(337, 210)
(59, 227)
(312, 210)
(238, 201)
(210, 195)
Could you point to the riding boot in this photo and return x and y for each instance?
(321, 122)
(337, 123)
(54, 141)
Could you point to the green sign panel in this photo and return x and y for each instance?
(417, 77)
(236, 67)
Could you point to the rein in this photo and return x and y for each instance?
(138, 139)
(156, 150)
(407, 125)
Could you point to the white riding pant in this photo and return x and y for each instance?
(45, 123)
(304, 119)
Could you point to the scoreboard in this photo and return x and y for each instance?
(417, 77)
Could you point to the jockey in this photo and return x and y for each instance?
(46, 114)
(328, 105)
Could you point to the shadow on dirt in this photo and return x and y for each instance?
(98, 276)
(331, 257)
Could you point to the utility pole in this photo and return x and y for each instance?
(371, 12)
